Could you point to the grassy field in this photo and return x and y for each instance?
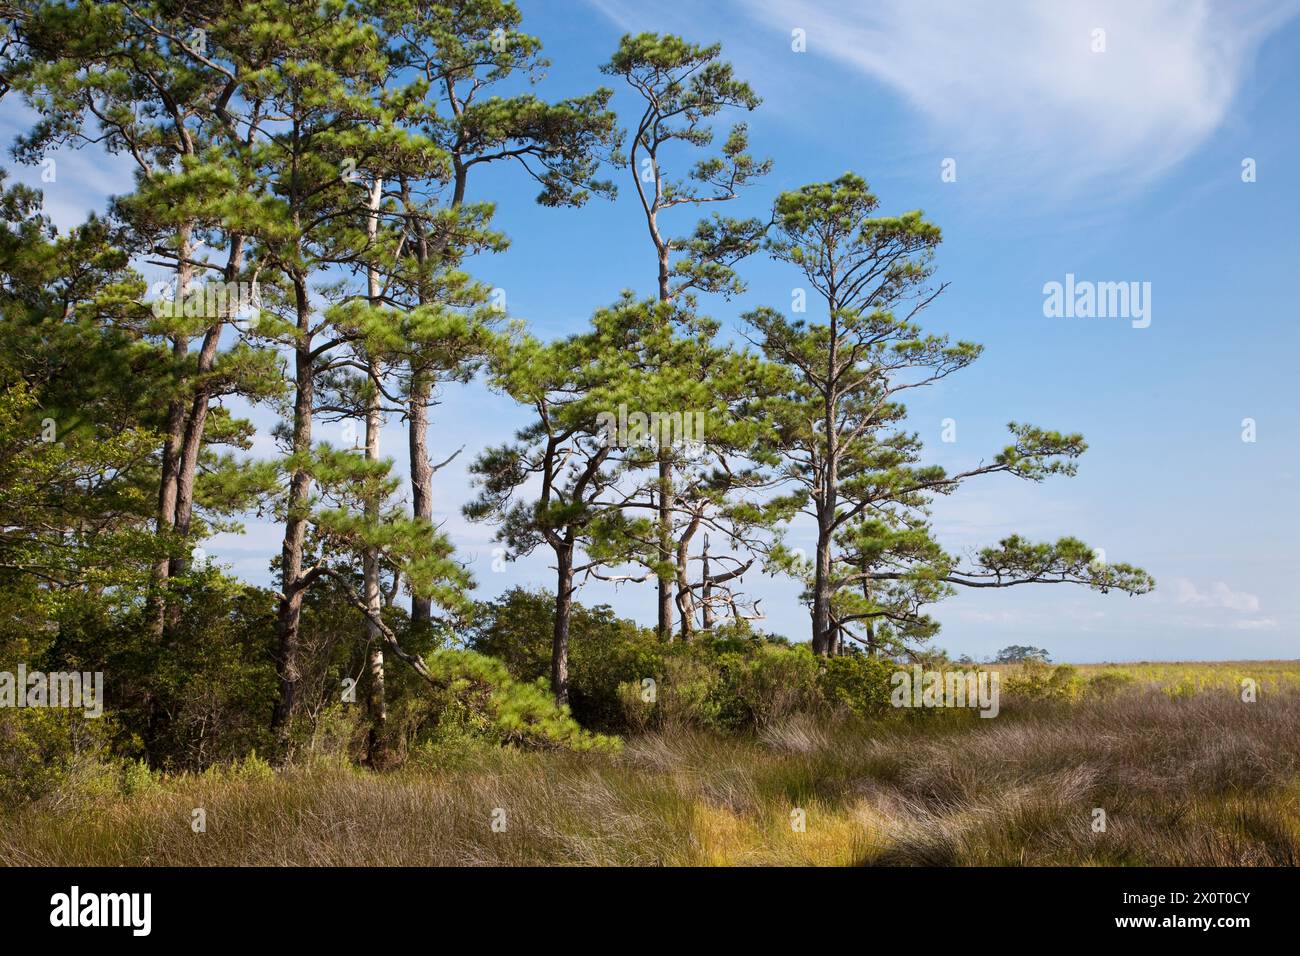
(1183, 777)
(1166, 675)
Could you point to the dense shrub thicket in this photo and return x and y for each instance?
(625, 679)
(199, 699)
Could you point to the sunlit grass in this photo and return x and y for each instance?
(1199, 778)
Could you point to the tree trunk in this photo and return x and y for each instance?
(417, 412)
(421, 478)
(166, 515)
(664, 626)
(821, 624)
(685, 597)
(870, 622)
(374, 422)
(563, 611)
(827, 504)
(706, 592)
(164, 521)
(295, 526)
(192, 444)
(374, 604)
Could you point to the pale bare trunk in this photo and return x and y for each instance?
(706, 591)
(374, 602)
(370, 570)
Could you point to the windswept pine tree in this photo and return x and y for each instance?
(685, 86)
(855, 471)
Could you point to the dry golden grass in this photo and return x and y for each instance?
(1191, 675)
(1201, 779)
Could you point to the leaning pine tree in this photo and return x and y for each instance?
(853, 468)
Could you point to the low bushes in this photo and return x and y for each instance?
(482, 698)
(623, 679)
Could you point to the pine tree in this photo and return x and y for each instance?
(459, 54)
(135, 80)
(855, 471)
(720, 457)
(78, 427)
(566, 385)
(685, 85)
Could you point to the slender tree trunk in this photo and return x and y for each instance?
(821, 623)
(376, 744)
(167, 481)
(563, 612)
(685, 598)
(706, 592)
(191, 445)
(421, 477)
(374, 603)
(870, 622)
(373, 599)
(823, 637)
(665, 617)
(417, 412)
(164, 522)
(295, 527)
(666, 580)
(195, 424)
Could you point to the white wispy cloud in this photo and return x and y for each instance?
(1256, 624)
(1218, 595)
(1018, 81)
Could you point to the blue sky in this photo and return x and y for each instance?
(1118, 165)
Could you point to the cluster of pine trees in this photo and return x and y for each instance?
(317, 163)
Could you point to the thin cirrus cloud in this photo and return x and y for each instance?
(1017, 81)
(1217, 595)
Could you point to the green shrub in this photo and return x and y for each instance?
(481, 698)
(1035, 680)
(54, 753)
(857, 683)
(137, 778)
(730, 679)
(604, 651)
(768, 682)
(1108, 683)
(691, 693)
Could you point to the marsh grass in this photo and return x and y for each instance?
(1184, 779)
